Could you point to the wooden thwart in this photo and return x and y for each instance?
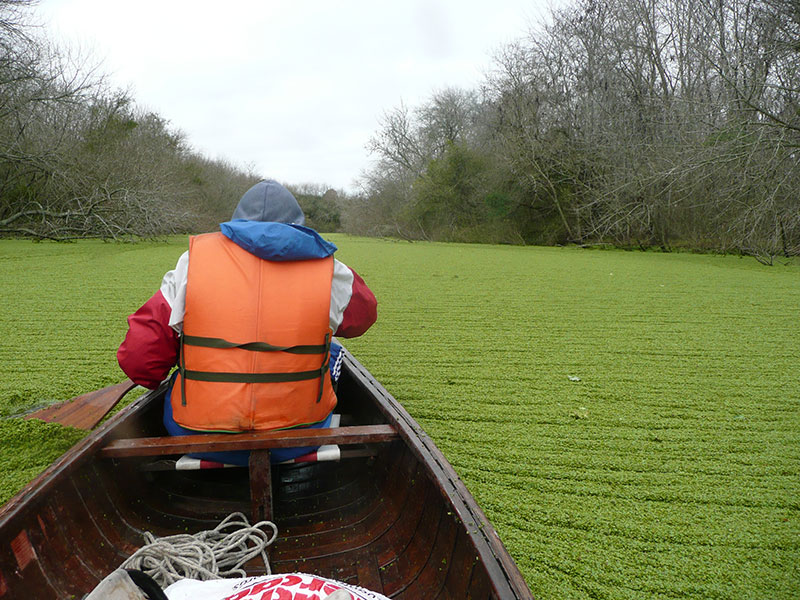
(259, 440)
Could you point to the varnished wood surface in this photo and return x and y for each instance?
(397, 520)
(87, 410)
(223, 442)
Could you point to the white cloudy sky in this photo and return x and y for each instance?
(294, 88)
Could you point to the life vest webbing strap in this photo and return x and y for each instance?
(208, 342)
(220, 377)
(181, 369)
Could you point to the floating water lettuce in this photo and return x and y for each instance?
(672, 468)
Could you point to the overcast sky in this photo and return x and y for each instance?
(293, 88)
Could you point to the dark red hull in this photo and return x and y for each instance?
(399, 521)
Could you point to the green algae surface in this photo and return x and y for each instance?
(630, 422)
(28, 447)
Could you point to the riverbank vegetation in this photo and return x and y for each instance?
(633, 123)
(80, 159)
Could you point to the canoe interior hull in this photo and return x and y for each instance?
(380, 521)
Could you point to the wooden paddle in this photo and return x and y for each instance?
(87, 410)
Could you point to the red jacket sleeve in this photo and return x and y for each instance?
(150, 348)
(361, 311)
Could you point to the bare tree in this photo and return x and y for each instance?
(635, 122)
(76, 158)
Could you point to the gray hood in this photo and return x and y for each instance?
(269, 201)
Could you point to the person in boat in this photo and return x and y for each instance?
(248, 316)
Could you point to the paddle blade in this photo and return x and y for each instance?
(87, 410)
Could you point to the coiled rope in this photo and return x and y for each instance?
(211, 554)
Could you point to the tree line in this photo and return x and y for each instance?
(80, 159)
(636, 123)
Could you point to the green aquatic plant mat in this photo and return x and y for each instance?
(29, 447)
(629, 421)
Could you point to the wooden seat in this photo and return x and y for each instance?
(259, 444)
(254, 440)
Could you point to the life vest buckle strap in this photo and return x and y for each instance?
(182, 369)
(219, 343)
(325, 366)
(220, 377)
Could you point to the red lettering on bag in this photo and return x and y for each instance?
(239, 595)
(265, 585)
(290, 580)
(282, 594)
(314, 585)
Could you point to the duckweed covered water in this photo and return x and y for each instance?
(630, 422)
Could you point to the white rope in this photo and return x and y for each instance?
(205, 555)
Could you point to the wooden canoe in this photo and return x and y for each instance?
(391, 516)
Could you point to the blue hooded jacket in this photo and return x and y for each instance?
(268, 222)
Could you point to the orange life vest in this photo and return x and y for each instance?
(256, 339)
